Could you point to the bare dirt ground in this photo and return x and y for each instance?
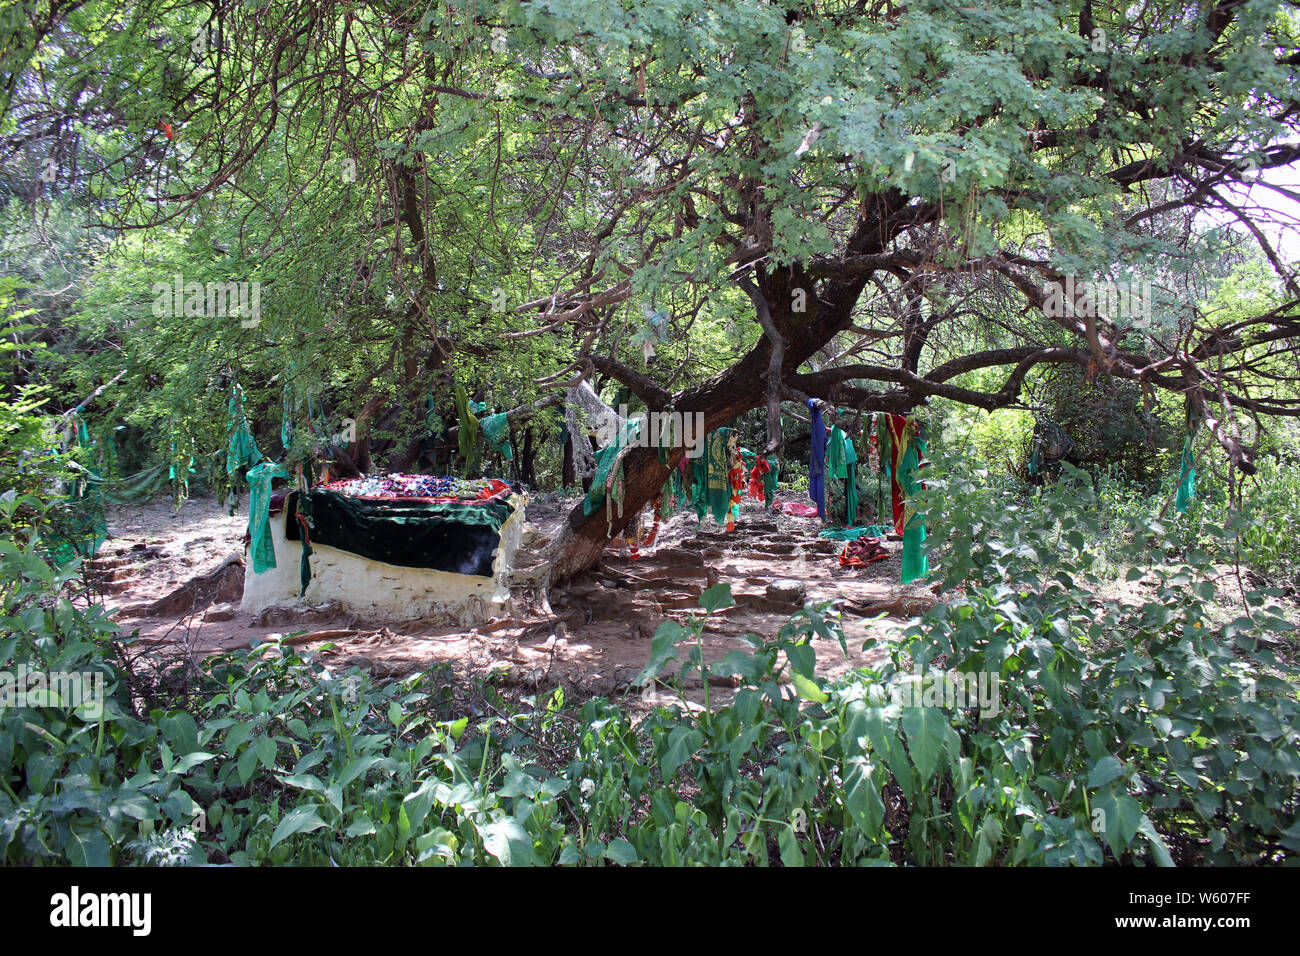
(174, 578)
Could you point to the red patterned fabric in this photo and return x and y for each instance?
(899, 434)
(864, 551)
(761, 468)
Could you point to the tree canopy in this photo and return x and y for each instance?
(875, 203)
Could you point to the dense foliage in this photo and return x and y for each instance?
(880, 204)
(1126, 723)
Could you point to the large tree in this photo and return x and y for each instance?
(886, 195)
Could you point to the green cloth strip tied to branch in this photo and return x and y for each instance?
(261, 547)
(496, 432)
(916, 561)
(242, 450)
(1187, 465)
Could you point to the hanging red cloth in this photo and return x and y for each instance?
(736, 477)
(655, 504)
(899, 435)
(761, 468)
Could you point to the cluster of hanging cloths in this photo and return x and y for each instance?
(607, 484)
(80, 528)
(899, 447)
(763, 474)
(719, 479)
(242, 453)
(495, 430)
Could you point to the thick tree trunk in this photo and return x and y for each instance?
(742, 386)
(582, 538)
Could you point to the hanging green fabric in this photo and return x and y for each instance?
(716, 462)
(467, 437)
(136, 487)
(835, 465)
(916, 560)
(845, 466)
(850, 453)
(179, 474)
(496, 432)
(672, 497)
(290, 413)
(699, 476)
(242, 451)
(668, 436)
(1187, 466)
(607, 459)
(260, 545)
(851, 496)
(430, 412)
(80, 529)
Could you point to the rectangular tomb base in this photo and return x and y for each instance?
(377, 592)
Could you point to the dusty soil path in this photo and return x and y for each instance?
(174, 578)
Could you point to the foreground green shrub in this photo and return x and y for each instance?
(1129, 723)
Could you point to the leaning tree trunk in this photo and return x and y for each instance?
(745, 385)
(582, 538)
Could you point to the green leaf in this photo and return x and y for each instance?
(1158, 848)
(1121, 817)
(266, 751)
(683, 742)
(788, 842)
(926, 732)
(87, 847)
(1104, 771)
(181, 731)
(717, 597)
(862, 796)
(509, 842)
(356, 767)
(808, 689)
(189, 761)
(663, 648)
(298, 820)
(987, 840)
(304, 781)
(362, 826)
(621, 852)
(246, 764)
